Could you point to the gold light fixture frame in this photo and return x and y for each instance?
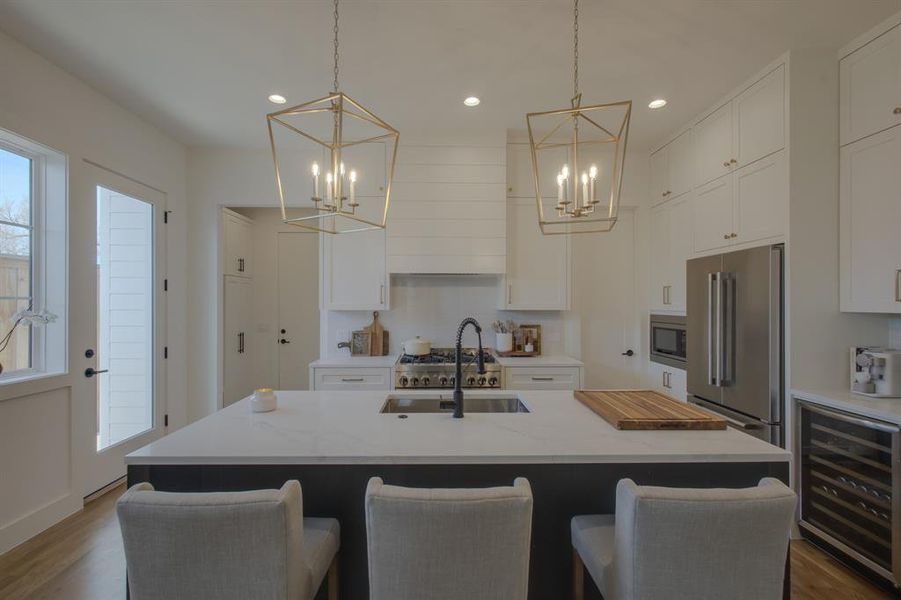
(581, 117)
(340, 105)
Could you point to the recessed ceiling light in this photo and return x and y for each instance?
(472, 101)
(658, 103)
(277, 99)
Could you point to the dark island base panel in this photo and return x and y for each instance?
(560, 492)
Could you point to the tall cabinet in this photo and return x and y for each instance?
(870, 175)
(237, 290)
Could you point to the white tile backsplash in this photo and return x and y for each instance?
(432, 306)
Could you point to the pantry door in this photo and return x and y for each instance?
(124, 344)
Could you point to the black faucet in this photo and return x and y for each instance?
(458, 359)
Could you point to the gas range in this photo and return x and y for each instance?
(436, 370)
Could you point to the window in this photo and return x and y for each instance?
(33, 245)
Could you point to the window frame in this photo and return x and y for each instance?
(49, 345)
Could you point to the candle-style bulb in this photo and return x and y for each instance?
(564, 171)
(315, 169)
(584, 178)
(593, 172)
(342, 169)
(353, 176)
(328, 177)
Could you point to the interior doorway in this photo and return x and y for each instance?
(270, 286)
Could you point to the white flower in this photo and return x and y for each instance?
(41, 317)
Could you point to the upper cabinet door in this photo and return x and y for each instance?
(713, 145)
(870, 211)
(354, 266)
(659, 176)
(712, 215)
(680, 250)
(237, 245)
(661, 265)
(680, 165)
(871, 87)
(761, 199)
(537, 275)
(760, 119)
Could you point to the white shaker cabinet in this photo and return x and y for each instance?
(742, 131)
(671, 169)
(354, 272)
(538, 266)
(712, 215)
(236, 368)
(668, 380)
(236, 231)
(350, 379)
(870, 224)
(543, 378)
(670, 248)
(870, 87)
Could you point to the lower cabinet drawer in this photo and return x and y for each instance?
(542, 378)
(351, 379)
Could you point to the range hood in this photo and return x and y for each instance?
(448, 210)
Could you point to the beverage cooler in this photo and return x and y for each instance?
(850, 487)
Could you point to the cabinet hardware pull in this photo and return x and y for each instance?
(898, 285)
(509, 293)
(351, 379)
(663, 194)
(542, 378)
(382, 294)
(726, 164)
(241, 343)
(733, 161)
(734, 235)
(897, 111)
(725, 236)
(240, 265)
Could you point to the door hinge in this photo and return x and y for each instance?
(165, 420)
(165, 285)
(166, 216)
(165, 351)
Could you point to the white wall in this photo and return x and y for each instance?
(895, 333)
(819, 334)
(45, 441)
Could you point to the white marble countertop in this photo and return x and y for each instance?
(886, 409)
(356, 361)
(347, 428)
(539, 361)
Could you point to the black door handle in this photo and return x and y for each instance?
(628, 353)
(90, 372)
(284, 341)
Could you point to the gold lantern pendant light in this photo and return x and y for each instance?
(335, 130)
(584, 147)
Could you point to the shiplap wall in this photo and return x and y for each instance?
(448, 212)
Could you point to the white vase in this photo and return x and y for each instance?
(263, 400)
(504, 342)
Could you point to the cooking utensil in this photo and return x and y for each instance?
(417, 346)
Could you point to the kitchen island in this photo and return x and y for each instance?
(333, 442)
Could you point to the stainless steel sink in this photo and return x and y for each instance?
(441, 403)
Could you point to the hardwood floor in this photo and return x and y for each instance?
(81, 558)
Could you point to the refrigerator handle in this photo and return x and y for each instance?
(720, 334)
(727, 333)
(711, 299)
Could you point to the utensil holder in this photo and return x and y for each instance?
(504, 342)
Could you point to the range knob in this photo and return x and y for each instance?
(470, 380)
(425, 381)
(453, 380)
(481, 381)
(492, 381)
(404, 381)
(443, 381)
(415, 381)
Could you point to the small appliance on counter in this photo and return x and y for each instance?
(876, 372)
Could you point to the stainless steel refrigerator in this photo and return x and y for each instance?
(736, 339)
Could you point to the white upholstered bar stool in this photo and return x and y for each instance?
(225, 545)
(697, 544)
(448, 544)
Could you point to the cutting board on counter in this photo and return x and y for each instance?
(646, 410)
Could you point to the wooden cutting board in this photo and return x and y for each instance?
(646, 410)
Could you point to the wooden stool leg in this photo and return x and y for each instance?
(333, 579)
(578, 577)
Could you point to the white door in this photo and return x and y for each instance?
(760, 119)
(871, 87)
(126, 342)
(298, 308)
(680, 165)
(537, 265)
(761, 201)
(237, 355)
(712, 215)
(870, 218)
(713, 145)
(604, 301)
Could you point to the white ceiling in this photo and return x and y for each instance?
(201, 70)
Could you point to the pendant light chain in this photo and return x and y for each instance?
(336, 46)
(575, 48)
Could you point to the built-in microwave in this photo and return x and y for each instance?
(668, 340)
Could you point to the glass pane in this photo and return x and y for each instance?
(15, 188)
(15, 243)
(15, 351)
(125, 317)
